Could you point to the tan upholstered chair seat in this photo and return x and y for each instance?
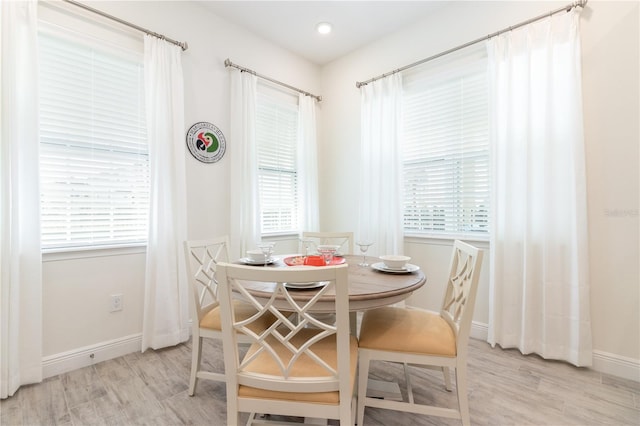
(304, 367)
(407, 330)
(243, 310)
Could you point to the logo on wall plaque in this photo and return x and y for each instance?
(206, 142)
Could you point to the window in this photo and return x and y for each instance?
(276, 137)
(446, 147)
(94, 161)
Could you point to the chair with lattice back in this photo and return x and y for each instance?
(427, 339)
(202, 258)
(302, 368)
(342, 239)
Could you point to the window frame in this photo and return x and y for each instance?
(55, 23)
(459, 63)
(285, 103)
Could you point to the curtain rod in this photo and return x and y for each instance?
(567, 8)
(183, 45)
(228, 63)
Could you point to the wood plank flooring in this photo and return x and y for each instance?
(505, 388)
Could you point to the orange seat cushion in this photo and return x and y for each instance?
(407, 330)
(242, 310)
(303, 367)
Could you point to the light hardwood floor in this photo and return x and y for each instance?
(505, 388)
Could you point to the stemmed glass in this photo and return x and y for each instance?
(364, 246)
(306, 244)
(267, 251)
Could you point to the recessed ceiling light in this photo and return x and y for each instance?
(324, 27)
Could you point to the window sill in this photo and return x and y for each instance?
(275, 236)
(446, 239)
(54, 255)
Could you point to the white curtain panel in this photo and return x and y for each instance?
(166, 310)
(309, 216)
(539, 291)
(21, 265)
(245, 203)
(380, 210)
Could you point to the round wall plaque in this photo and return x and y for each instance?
(206, 142)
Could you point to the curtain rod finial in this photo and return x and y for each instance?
(579, 3)
(227, 62)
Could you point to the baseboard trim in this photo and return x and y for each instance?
(53, 365)
(616, 365)
(479, 331)
(82, 357)
(603, 362)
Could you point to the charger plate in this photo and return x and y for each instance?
(306, 286)
(249, 261)
(408, 268)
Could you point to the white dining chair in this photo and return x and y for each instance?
(202, 258)
(302, 368)
(342, 239)
(421, 338)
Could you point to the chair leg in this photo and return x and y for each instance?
(196, 356)
(461, 388)
(407, 379)
(252, 417)
(447, 378)
(346, 417)
(363, 377)
(354, 406)
(233, 415)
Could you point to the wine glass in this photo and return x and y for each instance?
(364, 246)
(267, 251)
(306, 244)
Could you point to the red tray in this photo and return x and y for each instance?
(299, 260)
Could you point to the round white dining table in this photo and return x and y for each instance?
(368, 287)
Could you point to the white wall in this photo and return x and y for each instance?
(76, 300)
(609, 32)
(76, 292)
(611, 59)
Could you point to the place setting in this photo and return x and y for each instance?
(327, 256)
(395, 264)
(262, 256)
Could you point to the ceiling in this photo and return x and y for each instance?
(292, 24)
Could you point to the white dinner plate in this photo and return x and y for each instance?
(306, 286)
(408, 268)
(249, 261)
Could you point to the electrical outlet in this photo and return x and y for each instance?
(116, 302)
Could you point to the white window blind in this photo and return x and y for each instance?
(446, 147)
(94, 157)
(276, 136)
